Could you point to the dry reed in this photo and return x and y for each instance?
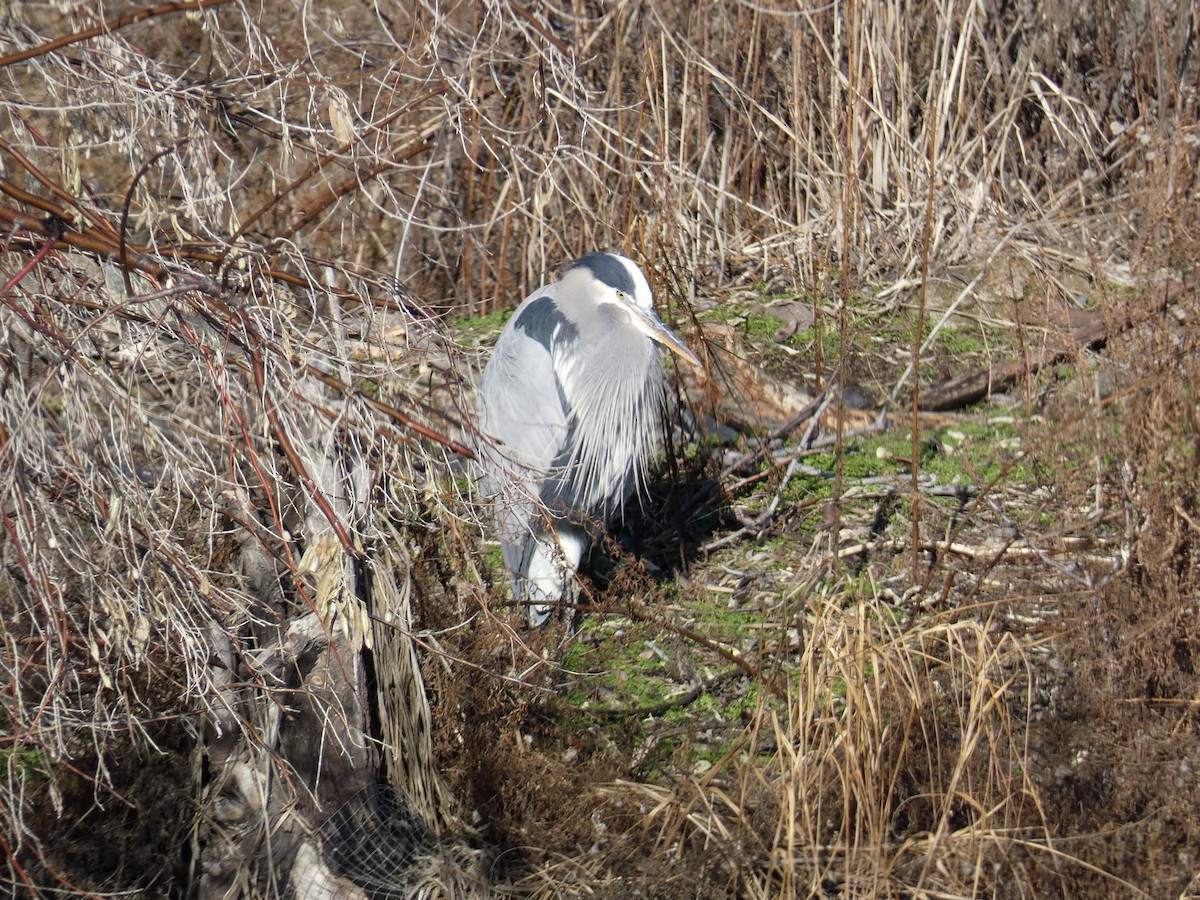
(231, 232)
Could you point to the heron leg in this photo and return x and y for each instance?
(543, 583)
(571, 603)
(574, 543)
(550, 573)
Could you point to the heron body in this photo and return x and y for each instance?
(569, 411)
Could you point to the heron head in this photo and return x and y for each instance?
(615, 279)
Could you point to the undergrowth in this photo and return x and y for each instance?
(252, 255)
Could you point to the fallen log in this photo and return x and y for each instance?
(1092, 334)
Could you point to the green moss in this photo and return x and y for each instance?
(837, 689)
(723, 312)
(27, 763)
(959, 341)
(760, 327)
(616, 667)
(806, 340)
(807, 487)
(493, 557)
(742, 705)
(975, 452)
(481, 328)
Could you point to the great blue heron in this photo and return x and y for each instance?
(569, 410)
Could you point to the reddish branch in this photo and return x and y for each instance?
(51, 233)
(107, 28)
(311, 210)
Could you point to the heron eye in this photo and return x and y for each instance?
(622, 296)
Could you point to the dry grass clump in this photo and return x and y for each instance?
(469, 149)
(232, 533)
(894, 765)
(178, 485)
(1120, 745)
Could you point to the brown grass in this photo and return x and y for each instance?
(232, 239)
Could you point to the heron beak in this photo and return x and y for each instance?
(652, 326)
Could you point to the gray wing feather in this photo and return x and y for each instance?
(522, 409)
(524, 424)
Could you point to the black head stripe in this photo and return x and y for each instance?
(607, 268)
